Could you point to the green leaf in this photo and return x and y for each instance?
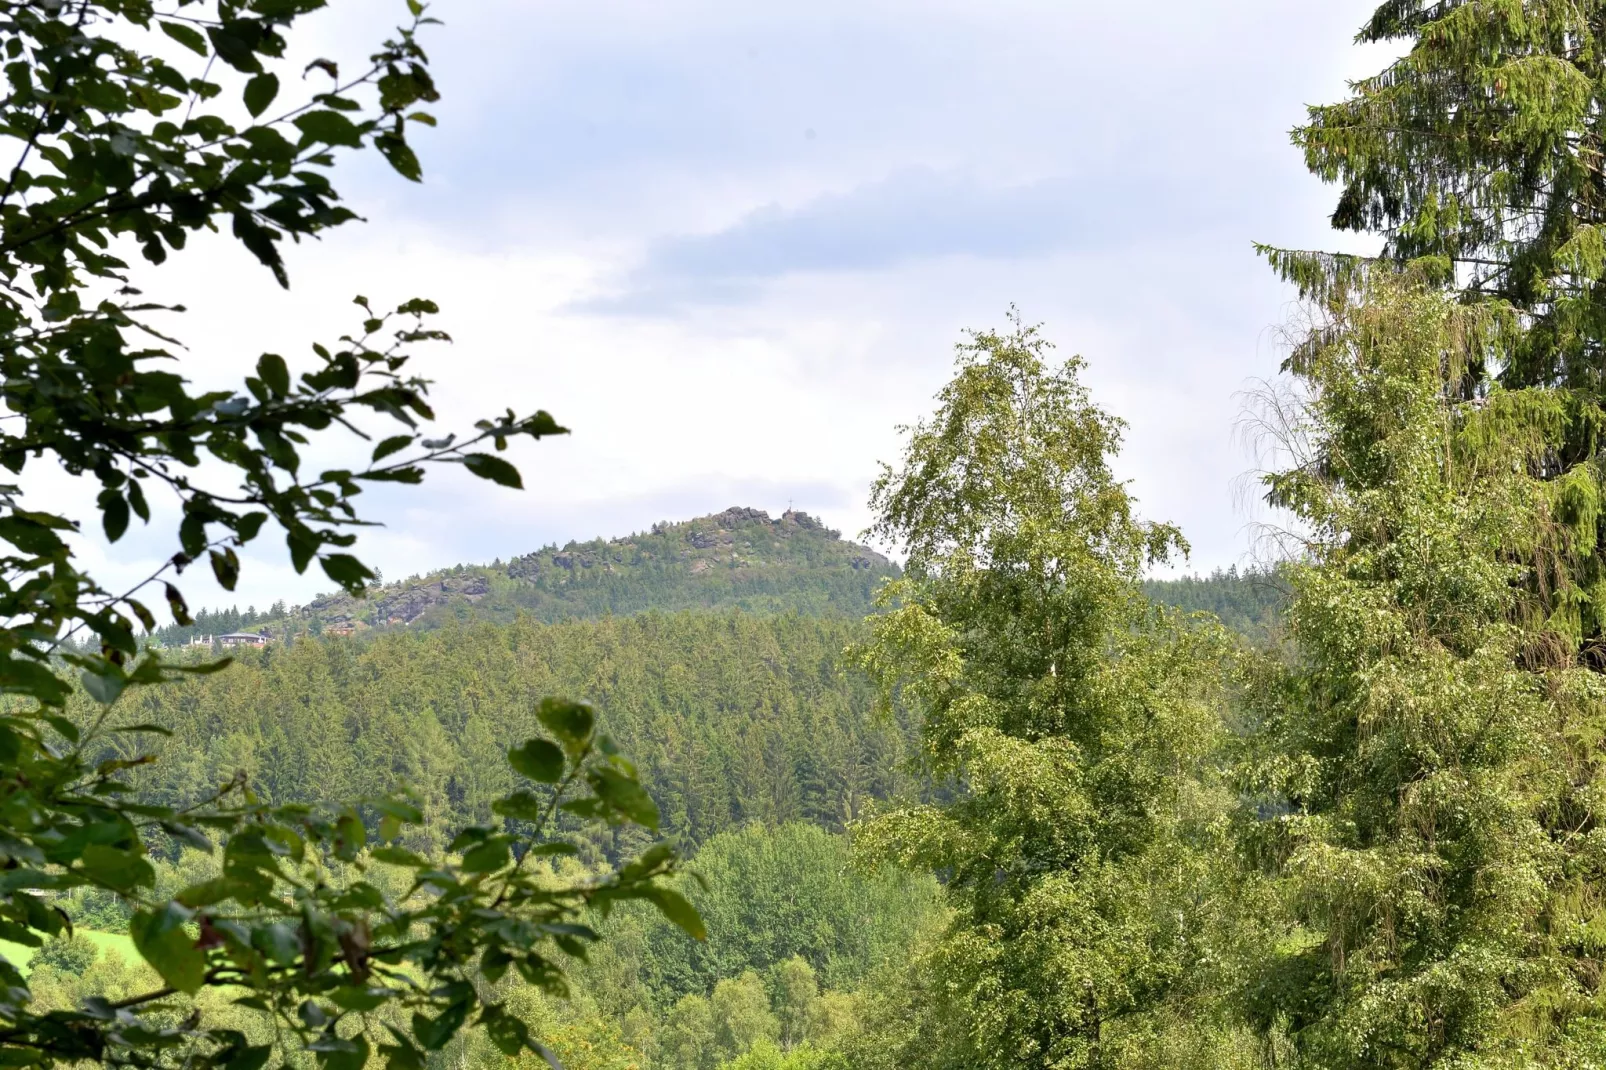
(123, 868)
(236, 42)
(278, 941)
(178, 607)
(249, 524)
(394, 148)
(359, 999)
(346, 570)
(136, 500)
(160, 937)
(402, 809)
(434, 1033)
(205, 893)
(30, 536)
(398, 856)
(261, 241)
(113, 513)
(329, 127)
(350, 836)
(250, 1057)
(189, 836)
(571, 722)
(412, 474)
(539, 759)
(625, 795)
(542, 850)
(494, 963)
(487, 857)
(391, 445)
(105, 685)
(68, 730)
(402, 1055)
(336, 1053)
(542, 424)
(271, 367)
(677, 909)
(520, 805)
(259, 93)
(488, 466)
(510, 1035)
(188, 36)
(226, 567)
(146, 620)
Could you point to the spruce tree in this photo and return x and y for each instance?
(1477, 155)
(1426, 784)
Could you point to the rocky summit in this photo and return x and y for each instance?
(739, 558)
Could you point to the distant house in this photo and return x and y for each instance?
(344, 627)
(243, 639)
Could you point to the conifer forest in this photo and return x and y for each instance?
(1001, 783)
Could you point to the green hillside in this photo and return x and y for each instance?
(740, 558)
(732, 717)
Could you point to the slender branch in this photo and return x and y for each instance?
(44, 118)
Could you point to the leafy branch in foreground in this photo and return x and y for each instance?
(341, 967)
(115, 115)
(116, 148)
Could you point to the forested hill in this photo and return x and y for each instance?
(732, 717)
(1250, 602)
(740, 558)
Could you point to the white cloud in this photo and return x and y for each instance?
(1104, 166)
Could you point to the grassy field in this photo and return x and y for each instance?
(18, 955)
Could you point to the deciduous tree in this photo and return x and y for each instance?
(1070, 718)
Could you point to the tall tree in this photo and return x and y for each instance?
(1477, 154)
(1427, 784)
(1069, 715)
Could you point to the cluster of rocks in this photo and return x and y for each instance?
(403, 603)
(738, 537)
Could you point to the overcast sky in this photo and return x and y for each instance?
(731, 245)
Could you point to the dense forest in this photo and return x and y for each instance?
(732, 717)
(1250, 602)
(755, 732)
(759, 742)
